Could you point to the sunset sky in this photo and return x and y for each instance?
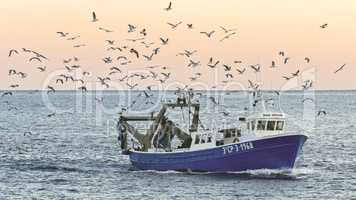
(263, 28)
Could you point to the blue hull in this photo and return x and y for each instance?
(278, 152)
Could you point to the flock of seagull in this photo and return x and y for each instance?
(131, 52)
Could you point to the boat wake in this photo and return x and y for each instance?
(294, 174)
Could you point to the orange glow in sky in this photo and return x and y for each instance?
(263, 28)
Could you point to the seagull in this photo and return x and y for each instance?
(208, 34)
(340, 68)
(50, 89)
(286, 60)
(62, 34)
(227, 30)
(73, 38)
(67, 61)
(115, 68)
(131, 86)
(14, 86)
(26, 50)
(228, 75)
(79, 45)
(189, 53)
(147, 95)
(23, 75)
(94, 19)
(286, 77)
(27, 133)
(110, 42)
(241, 71)
(169, 7)
(190, 26)
(35, 58)
(227, 67)
(306, 99)
(256, 68)
(59, 80)
(107, 60)
(121, 57)
(149, 58)
(134, 40)
(147, 45)
(225, 113)
(296, 73)
(106, 30)
(79, 80)
(321, 112)
(12, 72)
(51, 115)
(12, 51)
(164, 41)
(212, 99)
(83, 88)
(173, 26)
(252, 85)
(193, 64)
(6, 93)
(143, 32)
(324, 25)
(166, 75)
(227, 36)
(42, 69)
(307, 59)
(114, 48)
(112, 72)
(214, 65)
(156, 50)
(307, 84)
(132, 28)
(134, 51)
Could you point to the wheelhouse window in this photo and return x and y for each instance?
(253, 125)
(203, 139)
(197, 139)
(271, 125)
(228, 134)
(209, 139)
(261, 125)
(280, 125)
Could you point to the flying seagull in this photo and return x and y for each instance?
(340, 68)
(324, 25)
(321, 112)
(164, 41)
(12, 51)
(227, 36)
(227, 30)
(307, 59)
(169, 7)
(173, 26)
(35, 58)
(94, 17)
(208, 34)
(62, 34)
(42, 69)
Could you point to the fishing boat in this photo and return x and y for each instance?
(259, 142)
